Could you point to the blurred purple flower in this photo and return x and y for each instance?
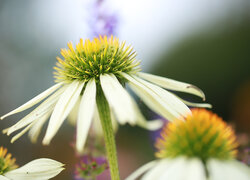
(92, 168)
(103, 20)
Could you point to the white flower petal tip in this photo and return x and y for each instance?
(173, 84)
(33, 101)
(152, 125)
(161, 101)
(39, 169)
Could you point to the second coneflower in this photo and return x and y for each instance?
(202, 147)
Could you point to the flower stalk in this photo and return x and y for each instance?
(109, 138)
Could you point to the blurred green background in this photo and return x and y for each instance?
(206, 43)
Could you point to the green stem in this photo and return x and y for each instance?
(104, 113)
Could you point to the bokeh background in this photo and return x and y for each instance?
(206, 43)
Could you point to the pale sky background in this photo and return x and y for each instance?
(32, 33)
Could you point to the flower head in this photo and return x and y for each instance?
(37, 169)
(93, 58)
(103, 65)
(203, 135)
(201, 147)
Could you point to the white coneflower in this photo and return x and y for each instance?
(202, 147)
(105, 64)
(39, 169)
(95, 74)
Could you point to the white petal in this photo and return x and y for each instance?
(72, 117)
(33, 101)
(183, 168)
(39, 169)
(194, 165)
(63, 107)
(40, 111)
(37, 127)
(22, 132)
(141, 170)
(228, 170)
(85, 114)
(142, 122)
(4, 178)
(118, 98)
(152, 97)
(157, 171)
(200, 105)
(172, 84)
(168, 97)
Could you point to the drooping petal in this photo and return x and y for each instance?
(85, 114)
(72, 117)
(168, 97)
(118, 98)
(39, 169)
(172, 84)
(142, 122)
(229, 170)
(33, 101)
(141, 170)
(64, 105)
(37, 127)
(156, 98)
(200, 105)
(17, 136)
(37, 113)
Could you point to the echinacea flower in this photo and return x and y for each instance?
(202, 147)
(39, 169)
(103, 65)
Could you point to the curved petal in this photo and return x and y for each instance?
(157, 98)
(39, 169)
(33, 101)
(141, 170)
(142, 122)
(118, 98)
(85, 114)
(17, 136)
(64, 105)
(37, 127)
(229, 170)
(172, 84)
(200, 105)
(40, 111)
(72, 117)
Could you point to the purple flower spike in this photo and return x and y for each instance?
(103, 19)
